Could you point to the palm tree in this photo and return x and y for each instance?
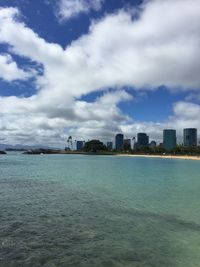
(70, 141)
(67, 144)
(133, 141)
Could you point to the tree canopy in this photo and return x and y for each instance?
(94, 146)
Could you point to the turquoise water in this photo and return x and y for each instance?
(74, 210)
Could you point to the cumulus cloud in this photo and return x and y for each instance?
(86, 120)
(68, 9)
(159, 47)
(9, 70)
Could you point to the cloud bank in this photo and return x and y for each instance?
(149, 47)
(68, 9)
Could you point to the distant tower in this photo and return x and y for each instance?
(79, 145)
(142, 140)
(109, 145)
(190, 137)
(152, 144)
(119, 141)
(169, 139)
(127, 144)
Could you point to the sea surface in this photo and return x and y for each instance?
(99, 211)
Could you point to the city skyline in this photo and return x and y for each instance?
(169, 140)
(65, 72)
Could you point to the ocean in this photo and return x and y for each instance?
(99, 211)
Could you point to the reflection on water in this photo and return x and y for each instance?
(51, 223)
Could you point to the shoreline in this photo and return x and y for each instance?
(103, 153)
(161, 156)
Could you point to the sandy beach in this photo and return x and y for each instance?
(162, 156)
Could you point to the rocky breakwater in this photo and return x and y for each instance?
(41, 151)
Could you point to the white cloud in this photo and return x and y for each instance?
(68, 9)
(9, 70)
(161, 47)
(186, 110)
(85, 120)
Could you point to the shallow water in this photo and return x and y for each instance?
(73, 210)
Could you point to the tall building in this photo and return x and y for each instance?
(142, 140)
(79, 145)
(169, 139)
(190, 137)
(109, 145)
(152, 144)
(127, 144)
(119, 141)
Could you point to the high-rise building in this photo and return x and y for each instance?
(190, 137)
(79, 145)
(152, 144)
(109, 145)
(119, 141)
(142, 140)
(127, 144)
(169, 139)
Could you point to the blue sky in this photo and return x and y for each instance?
(94, 68)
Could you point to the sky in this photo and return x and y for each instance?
(93, 68)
